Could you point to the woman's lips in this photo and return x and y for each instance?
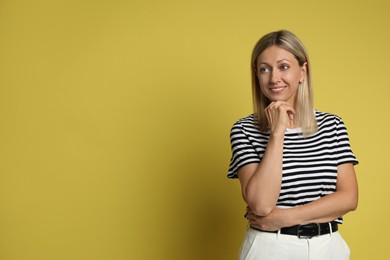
(277, 89)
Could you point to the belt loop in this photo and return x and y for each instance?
(330, 228)
(278, 234)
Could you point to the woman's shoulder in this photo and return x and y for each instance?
(326, 118)
(245, 122)
(245, 129)
(326, 115)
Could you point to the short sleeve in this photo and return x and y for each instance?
(243, 150)
(344, 151)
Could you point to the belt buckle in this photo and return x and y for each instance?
(311, 225)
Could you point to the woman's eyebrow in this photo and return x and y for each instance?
(278, 61)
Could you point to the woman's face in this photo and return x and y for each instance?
(279, 74)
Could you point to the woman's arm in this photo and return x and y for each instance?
(261, 182)
(326, 209)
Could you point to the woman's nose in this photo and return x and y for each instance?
(275, 77)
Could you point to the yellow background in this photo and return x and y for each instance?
(115, 119)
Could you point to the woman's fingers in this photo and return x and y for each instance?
(290, 115)
(280, 115)
(281, 104)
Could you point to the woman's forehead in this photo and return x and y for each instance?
(275, 54)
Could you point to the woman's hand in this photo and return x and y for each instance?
(280, 116)
(277, 219)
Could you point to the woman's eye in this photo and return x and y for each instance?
(264, 70)
(284, 67)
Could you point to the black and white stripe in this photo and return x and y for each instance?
(309, 163)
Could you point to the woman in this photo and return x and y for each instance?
(294, 163)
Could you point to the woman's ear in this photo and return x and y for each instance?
(303, 72)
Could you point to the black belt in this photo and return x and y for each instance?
(308, 230)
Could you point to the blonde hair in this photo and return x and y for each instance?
(305, 117)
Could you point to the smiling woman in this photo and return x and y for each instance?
(279, 74)
(294, 163)
(280, 62)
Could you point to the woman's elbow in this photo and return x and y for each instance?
(352, 203)
(259, 206)
(262, 211)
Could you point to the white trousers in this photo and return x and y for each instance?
(260, 245)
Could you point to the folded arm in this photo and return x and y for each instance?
(328, 208)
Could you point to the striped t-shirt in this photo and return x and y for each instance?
(309, 163)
